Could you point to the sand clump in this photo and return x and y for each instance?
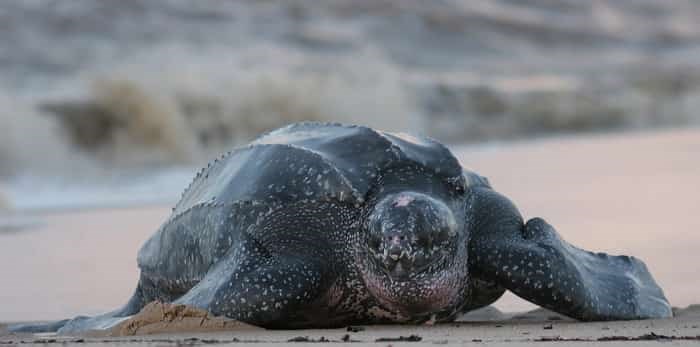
(158, 317)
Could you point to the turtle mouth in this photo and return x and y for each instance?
(402, 257)
(416, 290)
(405, 265)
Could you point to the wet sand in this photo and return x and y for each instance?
(631, 194)
(532, 331)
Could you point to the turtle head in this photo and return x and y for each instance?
(415, 259)
(410, 231)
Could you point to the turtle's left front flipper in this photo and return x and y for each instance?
(534, 262)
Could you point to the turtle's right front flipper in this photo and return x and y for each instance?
(534, 262)
(614, 287)
(281, 264)
(267, 291)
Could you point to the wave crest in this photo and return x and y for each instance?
(177, 119)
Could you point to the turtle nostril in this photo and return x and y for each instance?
(406, 262)
(390, 264)
(425, 240)
(395, 252)
(419, 259)
(375, 242)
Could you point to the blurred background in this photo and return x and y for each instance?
(583, 111)
(137, 94)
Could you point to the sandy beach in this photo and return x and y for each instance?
(634, 193)
(532, 331)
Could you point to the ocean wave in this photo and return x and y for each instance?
(647, 96)
(28, 140)
(134, 122)
(140, 119)
(87, 94)
(118, 189)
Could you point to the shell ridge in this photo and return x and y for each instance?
(202, 175)
(205, 205)
(310, 123)
(335, 169)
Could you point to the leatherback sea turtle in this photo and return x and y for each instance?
(324, 225)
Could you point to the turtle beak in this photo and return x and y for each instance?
(397, 256)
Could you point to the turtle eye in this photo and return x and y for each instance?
(459, 184)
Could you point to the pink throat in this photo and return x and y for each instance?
(415, 296)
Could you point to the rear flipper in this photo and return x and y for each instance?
(84, 323)
(67, 326)
(535, 263)
(38, 328)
